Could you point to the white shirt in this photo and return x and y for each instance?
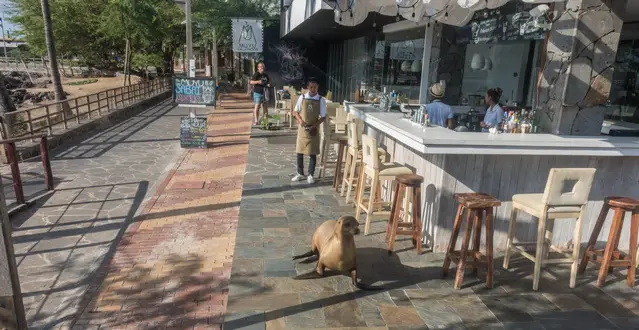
(298, 106)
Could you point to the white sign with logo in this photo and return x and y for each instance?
(192, 68)
(247, 35)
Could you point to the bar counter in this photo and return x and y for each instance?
(502, 165)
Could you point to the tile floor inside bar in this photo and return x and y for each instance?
(278, 217)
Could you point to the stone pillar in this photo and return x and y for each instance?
(578, 68)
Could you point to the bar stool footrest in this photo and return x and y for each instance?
(473, 258)
(619, 259)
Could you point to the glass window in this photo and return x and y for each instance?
(624, 93)
(397, 63)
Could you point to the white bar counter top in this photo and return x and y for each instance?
(440, 140)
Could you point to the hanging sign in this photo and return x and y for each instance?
(247, 35)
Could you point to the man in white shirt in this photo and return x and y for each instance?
(310, 112)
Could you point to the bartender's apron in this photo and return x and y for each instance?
(308, 144)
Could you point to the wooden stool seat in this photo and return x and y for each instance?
(411, 180)
(476, 204)
(406, 182)
(611, 257)
(477, 200)
(625, 203)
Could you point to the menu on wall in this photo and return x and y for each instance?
(410, 50)
(511, 22)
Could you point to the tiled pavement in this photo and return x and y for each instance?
(101, 183)
(172, 267)
(277, 219)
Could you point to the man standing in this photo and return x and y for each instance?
(439, 113)
(310, 112)
(260, 81)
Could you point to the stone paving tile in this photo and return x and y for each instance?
(278, 217)
(172, 267)
(101, 183)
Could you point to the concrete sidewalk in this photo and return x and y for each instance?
(172, 267)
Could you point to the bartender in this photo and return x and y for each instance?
(310, 112)
(494, 113)
(439, 113)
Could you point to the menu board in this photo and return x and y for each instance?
(511, 22)
(193, 132)
(194, 91)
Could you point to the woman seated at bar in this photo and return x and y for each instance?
(494, 113)
(439, 113)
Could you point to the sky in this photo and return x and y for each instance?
(4, 12)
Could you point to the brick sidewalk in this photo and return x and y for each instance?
(172, 267)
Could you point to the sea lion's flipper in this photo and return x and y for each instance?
(308, 276)
(363, 286)
(310, 259)
(305, 255)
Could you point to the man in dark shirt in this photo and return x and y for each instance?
(260, 81)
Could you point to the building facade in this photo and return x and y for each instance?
(580, 72)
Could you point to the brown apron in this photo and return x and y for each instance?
(308, 141)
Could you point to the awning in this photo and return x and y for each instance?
(451, 12)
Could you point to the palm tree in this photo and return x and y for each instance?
(55, 74)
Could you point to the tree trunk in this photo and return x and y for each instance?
(6, 105)
(126, 59)
(53, 64)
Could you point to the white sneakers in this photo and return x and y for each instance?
(299, 177)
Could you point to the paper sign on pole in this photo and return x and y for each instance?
(192, 68)
(247, 35)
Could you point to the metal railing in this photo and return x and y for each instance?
(60, 116)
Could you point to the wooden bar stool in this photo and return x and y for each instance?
(377, 171)
(413, 183)
(610, 256)
(342, 148)
(476, 204)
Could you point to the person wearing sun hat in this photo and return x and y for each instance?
(439, 113)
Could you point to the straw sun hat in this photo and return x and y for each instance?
(436, 91)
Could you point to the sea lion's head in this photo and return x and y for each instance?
(348, 224)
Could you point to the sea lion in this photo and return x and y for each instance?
(334, 244)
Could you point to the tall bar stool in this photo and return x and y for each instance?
(412, 183)
(553, 204)
(353, 158)
(476, 204)
(611, 257)
(377, 171)
(328, 139)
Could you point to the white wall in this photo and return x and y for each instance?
(508, 60)
(300, 10)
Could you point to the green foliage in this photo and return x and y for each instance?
(217, 14)
(95, 31)
(141, 61)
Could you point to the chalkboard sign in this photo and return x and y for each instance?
(193, 132)
(511, 22)
(194, 91)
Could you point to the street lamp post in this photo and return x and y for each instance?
(189, 34)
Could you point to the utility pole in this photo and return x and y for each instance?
(214, 57)
(189, 37)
